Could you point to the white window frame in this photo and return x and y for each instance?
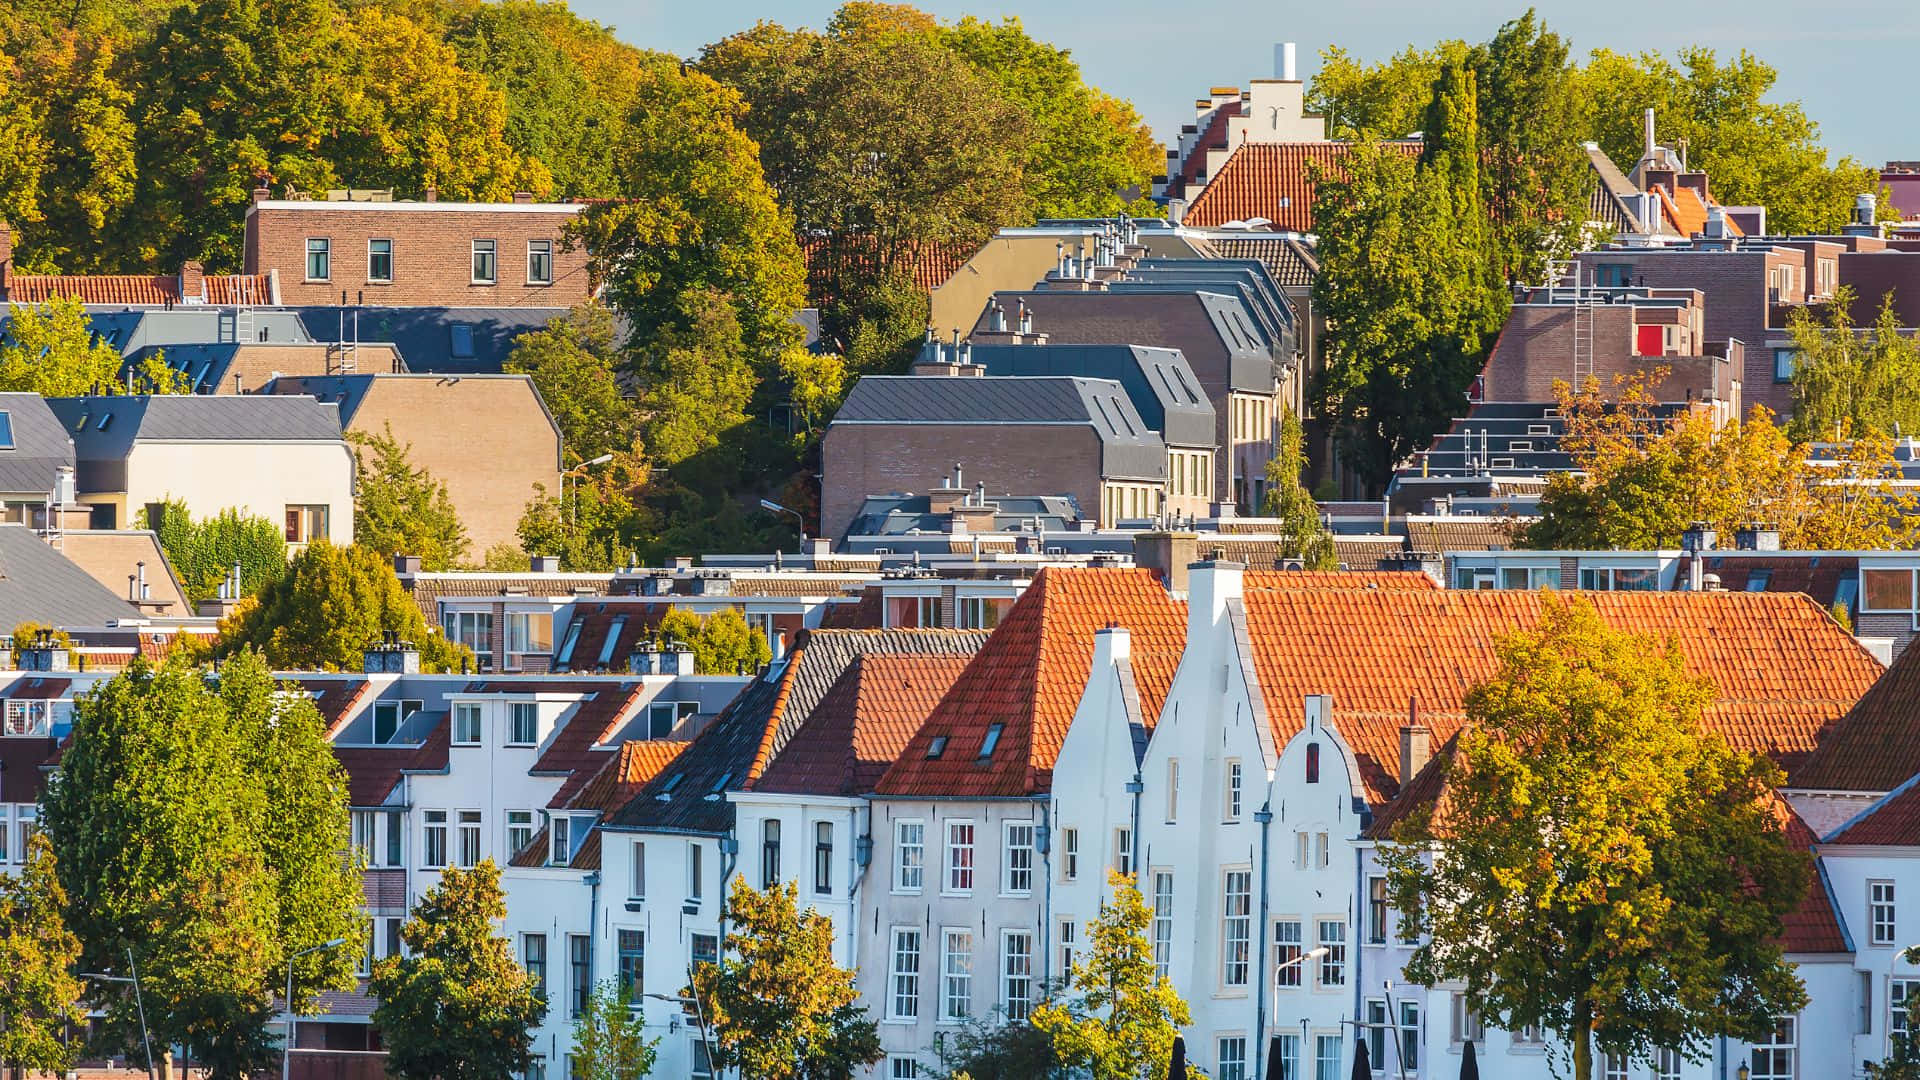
(958, 861)
(1173, 790)
(1233, 780)
(1882, 913)
(956, 975)
(903, 978)
(1780, 1053)
(371, 278)
(469, 824)
(434, 825)
(1161, 929)
(559, 839)
(468, 723)
(1289, 941)
(323, 247)
(1465, 1024)
(516, 710)
(1016, 970)
(1017, 858)
(1236, 928)
(1225, 1044)
(1069, 853)
(533, 249)
(1377, 913)
(637, 872)
(909, 875)
(492, 251)
(1123, 850)
(519, 830)
(1332, 973)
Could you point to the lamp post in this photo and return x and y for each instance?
(286, 1052)
(699, 1016)
(1299, 961)
(774, 507)
(139, 1003)
(575, 474)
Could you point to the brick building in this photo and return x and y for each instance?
(381, 252)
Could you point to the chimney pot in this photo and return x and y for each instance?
(1416, 746)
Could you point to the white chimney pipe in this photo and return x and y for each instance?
(1284, 67)
(1647, 123)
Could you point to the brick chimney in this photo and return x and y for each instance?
(1167, 554)
(523, 196)
(6, 257)
(1416, 744)
(193, 281)
(261, 193)
(433, 193)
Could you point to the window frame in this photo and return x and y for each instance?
(630, 965)
(468, 723)
(958, 859)
(470, 827)
(534, 253)
(1161, 927)
(492, 263)
(1332, 969)
(323, 247)
(1016, 1008)
(1287, 973)
(433, 839)
(1882, 913)
(823, 858)
(517, 710)
(1233, 780)
(903, 980)
(901, 864)
(1011, 869)
(1236, 929)
(1376, 909)
(374, 278)
(956, 976)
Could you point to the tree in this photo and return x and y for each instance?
(609, 1037)
(50, 349)
(1641, 477)
(699, 379)
(1600, 864)
(573, 362)
(1845, 379)
(987, 1049)
(456, 1006)
(1903, 1063)
(778, 1007)
(817, 383)
(1304, 535)
(199, 823)
(722, 643)
(39, 994)
(330, 606)
(401, 510)
(1126, 1015)
(204, 553)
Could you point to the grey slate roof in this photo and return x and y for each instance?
(900, 515)
(133, 329)
(1159, 382)
(38, 584)
(425, 335)
(1213, 331)
(40, 446)
(1287, 256)
(190, 417)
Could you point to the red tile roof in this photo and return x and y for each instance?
(626, 772)
(930, 266)
(1814, 926)
(1784, 671)
(1028, 679)
(1272, 181)
(1687, 211)
(1874, 746)
(576, 750)
(134, 290)
(862, 724)
(338, 700)
(373, 771)
(1213, 138)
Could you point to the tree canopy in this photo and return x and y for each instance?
(1853, 379)
(1121, 1021)
(204, 553)
(574, 362)
(722, 643)
(400, 509)
(50, 349)
(1304, 535)
(1600, 864)
(39, 993)
(332, 603)
(609, 1037)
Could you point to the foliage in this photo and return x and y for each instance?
(816, 383)
(1127, 1015)
(609, 1037)
(722, 643)
(39, 995)
(1848, 379)
(1604, 864)
(199, 823)
(779, 1008)
(503, 558)
(699, 379)
(456, 1006)
(50, 349)
(204, 553)
(1304, 534)
(332, 603)
(401, 510)
(1640, 478)
(573, 362)
(987, 1048)
(590, 527)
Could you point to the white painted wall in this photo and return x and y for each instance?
(262, 478)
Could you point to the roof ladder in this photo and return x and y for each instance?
(243, 310)
(1583, 314)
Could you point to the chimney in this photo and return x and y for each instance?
(544, 564)
(6, 257)
(996, 317)
(391, 655)
(433, 193)
(1167, 554)
(949, 494)
(261, 193)
(1865, 213)
(405, 565)
(1416, 744)
(523, 196)
(1284, 67)
(1756, 536)
(193, 281)
(1646, 133)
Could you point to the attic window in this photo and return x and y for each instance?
(673, 781)
(937, 747)
(6, 430)
(105, 419)
(992, 740)
(461, 343)
(81, 424)
(720, 784)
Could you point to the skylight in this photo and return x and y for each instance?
(937, 747)
(6, 430)
(992, 740)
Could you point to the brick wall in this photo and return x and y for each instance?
(858, 460)
(1734, 284)
(432, 253)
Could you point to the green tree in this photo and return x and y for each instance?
(399, 509)
(779, 1008)
(50, 349)
(1387, 100)
(1122, 1023)
(593, 526)
(1603, 866)
(1903, 1063)
(332, 603)
(456, 1006)
(1304, 534)
(722, 643)
(200, 825)
(204, 553)
(699, 379)
(39, 994)
(609, 1037)
(1845, 379)
(573, 362)
(817, 384)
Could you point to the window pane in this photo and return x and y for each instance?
(1887, 590)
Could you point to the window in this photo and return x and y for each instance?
(1162, 923)
(436, 838)
(1123, 850)
(1173, 789)
(1619, 578)
(1320, 850)
(1784, 361)
(1069, 936)
(466, 725)
(1666, 1064)
(1374, 1031)
(959, 856)
(702, 1058)
(27, 717)
(474, 629)
(991, 741)
(1302, 850)
(1613, 1067)
(536, 1068)
(1886, 590)
(1410, 1035)
(483, 268)
(769, 854)
(579, 973)
(956, 975)
(1016, 970)
(1231, 810)
(1376, 911)
(1313, 763)
(396, 825)
(1236, 927)
(1333, 966)
(1017, 874)
(1880, 916)
(389, 716)
(706, 950)
(694, 883)
(319, 258)
(523, 723)
(1232, 1059)
(460, 341)
(909, 855)
(380, 260)
(1326, 1057)
(637, 873)
(905, 1003)
(529, 633)
(1898, 991)
(902, 1068)
(911, 612)
(469, 838)
(612, 640)
(24, 819)
(1527, 1035)
(1777, 1057)
(1069, 854)
(305, 524)
(1287, 948)
(980, 612)
(539, 262)
(823, 857)
(1286, 1056)
(533, 957)
(559, 830)
(632, 946)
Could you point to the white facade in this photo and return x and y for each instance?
(273, 479)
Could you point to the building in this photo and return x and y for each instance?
(36, 459)
(370, 249)
(191, 286)
(489, 438)
(1269, 111)
(463, 340)
(281, 458)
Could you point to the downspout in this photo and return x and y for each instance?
(729, 846)
(592, 881)
(1134, 787)
(1353, 935)
(1264, 816)
(856, 873)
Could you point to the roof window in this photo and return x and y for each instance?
(992, 740)
(461, 343)
(6, 430)
(936, 747)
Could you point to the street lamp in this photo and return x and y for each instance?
(286, 1052)
(139, 1004)
(699, 1017)
(575, 473)
(774, 507)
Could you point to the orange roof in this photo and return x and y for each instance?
(622, 777)
(862, 724)
(1272, 181)
(1784, 671)
(1873, 747)
(1687, 211)
(1028, 678)
(134, 290)
(930, 266)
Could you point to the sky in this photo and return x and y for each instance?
(1848, 62)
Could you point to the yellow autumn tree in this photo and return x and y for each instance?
(1121, 1024)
